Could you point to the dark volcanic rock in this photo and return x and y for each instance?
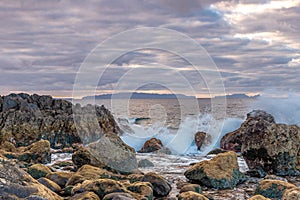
(25, 119)
(266, 146)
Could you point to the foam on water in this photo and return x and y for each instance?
(181, 141)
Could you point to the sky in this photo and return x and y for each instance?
(255, 44)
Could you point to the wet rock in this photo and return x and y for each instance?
(161, 187)
(114, 153)
(151, 145)
(220, 172)
(17, 184)
(266, 146)
(145, 163)
(85, 196)
(199, 139)
(101, 187)
(50, 184)
(291, 194)
(118, 196)
(88, 172)
(38, 171)
(259, 197)
(60, 178)
(83, 156)
(216, 151)
(38, 152)
(273, 188)
(191, 187)
(25, 119)
(143, 189)
(191, 196)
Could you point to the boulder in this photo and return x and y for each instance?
(191, 187)
(38, 152)
(88, 172)
(191, 196)
(50, 184)
(151, 145)
(267, 147)
(291, 194)
(38, 171)
(17, 184)
(85, 196)
(118, 196)
(259, 197)
(25, 119)
(101, 187)
(114, 153)
(144, 163)
(199, 139)
(161, 187)
(273, 188)
(221, 172)
(144, 189)
(83, 156)
(60, 178)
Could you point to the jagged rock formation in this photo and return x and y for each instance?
(266, 146)
(25, 119)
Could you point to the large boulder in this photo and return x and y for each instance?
(114, 153)
(267, 147)
(221, 172)
(25, 119)
(273, 188)
(161, 187)
(84, 157)
(17, 184)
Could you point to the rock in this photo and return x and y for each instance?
(267, 147)
(118, 196)
(145, 163)
(191, 187)
(221, 172)
(143, 189)
(101, 187)
(25, 119)
(161, 187)
(85, 196)
(88, 172)
(114, 153)
(38, 171)
(273, 188)
(216, 151)
(259, 197)
(60, 178)
(82, 157)
(191, 196)
(38, 152)
(199, 139)
(233, 141)
(151, 145)
(50, 184)
(291, 194)
(8, 146)
(17, 184)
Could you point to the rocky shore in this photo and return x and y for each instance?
(33, 128)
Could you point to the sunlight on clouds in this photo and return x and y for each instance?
(295, 62)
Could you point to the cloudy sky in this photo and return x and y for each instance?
(255, 44)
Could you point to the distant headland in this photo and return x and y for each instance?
(238, 96)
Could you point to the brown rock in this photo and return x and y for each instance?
(273, 188)
(118, 196)
(161, 187)
(60, 178)
(259, 197)
(50, 184)
(191, 196)
(85, 196)
(151, 145)
(38, 170)
(191, 187)
(199, 139)
(291, 194)
(221, 172)
(83, 156)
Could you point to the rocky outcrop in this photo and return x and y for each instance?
(266, 146)
(17, 184)
(25, 119)
(221, 172)
(273, 189)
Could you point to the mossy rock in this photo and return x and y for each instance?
(273, 188)
(85, 196)
(190, 195)
(60, 178)
(38, 171)
(50, 184)
(191, 187)
(259, 197)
